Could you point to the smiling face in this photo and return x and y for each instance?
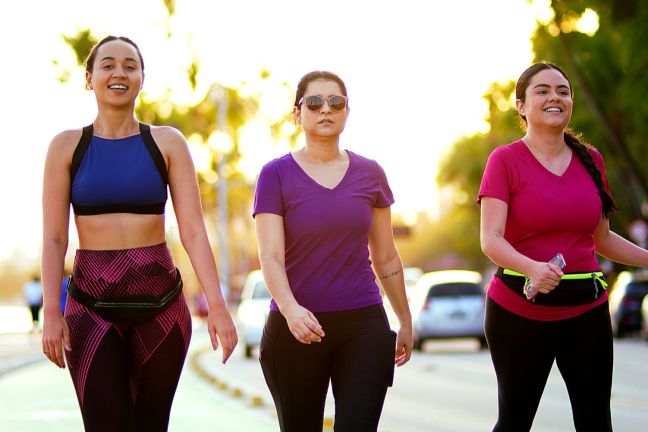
(547, 100)
(116, 75)
(324, 122)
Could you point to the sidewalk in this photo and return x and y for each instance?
(36, 395)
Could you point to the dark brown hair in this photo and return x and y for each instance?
(89, 62)
(573, 139)
(315, 75)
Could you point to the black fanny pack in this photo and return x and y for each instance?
(573, 290)
(126, 308)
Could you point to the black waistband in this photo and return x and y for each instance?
(89, 210)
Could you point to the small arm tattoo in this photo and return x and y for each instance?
(390, 274)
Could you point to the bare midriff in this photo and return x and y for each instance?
(119, 231)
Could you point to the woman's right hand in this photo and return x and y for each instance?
(56, 338)
(303, 324)
(545, 276)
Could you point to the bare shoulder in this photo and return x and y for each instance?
(168, 138)
(64, 143)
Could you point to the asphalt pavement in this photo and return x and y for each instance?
(38, 396)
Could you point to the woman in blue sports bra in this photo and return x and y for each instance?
(126, 327)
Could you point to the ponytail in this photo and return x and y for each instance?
(582, 151)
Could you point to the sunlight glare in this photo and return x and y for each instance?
(588, 22)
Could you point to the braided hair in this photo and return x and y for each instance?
(581, 150)
(573, 140)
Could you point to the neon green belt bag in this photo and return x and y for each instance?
(574, 288)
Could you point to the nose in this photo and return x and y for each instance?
(119, 72)
(325, 107)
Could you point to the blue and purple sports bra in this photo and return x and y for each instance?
(124, 175)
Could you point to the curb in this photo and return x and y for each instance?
(12, 363)
(254, 401)
(204, 374)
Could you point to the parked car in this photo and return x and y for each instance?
(626, 295)
(448, 304)
(411, 275)
(252, 311)
(644, 318)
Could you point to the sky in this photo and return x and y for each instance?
(415, 73)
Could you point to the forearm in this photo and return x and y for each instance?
(53, 259)
(501, 253)
(616, 248)
(392, 280)
(274, 273)
(204, 264)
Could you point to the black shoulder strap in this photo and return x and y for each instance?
(154, 151)
(80, 151)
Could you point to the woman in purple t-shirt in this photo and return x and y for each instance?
(322, 216)
(542, 195)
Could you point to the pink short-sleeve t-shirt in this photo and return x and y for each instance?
(547, 214)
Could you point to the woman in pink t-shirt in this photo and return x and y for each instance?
(545, 194)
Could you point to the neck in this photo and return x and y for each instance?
(115, 123)
(322, 150)
(545, 142)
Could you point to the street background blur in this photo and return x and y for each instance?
(431, 91)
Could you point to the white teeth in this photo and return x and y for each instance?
(118, 87)
(552, 110)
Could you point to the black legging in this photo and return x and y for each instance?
(108, 404)
(523, 352)
(356, 355)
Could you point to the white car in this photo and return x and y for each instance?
(448, 304)
(252, 311)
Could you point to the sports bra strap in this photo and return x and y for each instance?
(154, 150)
(80, 151)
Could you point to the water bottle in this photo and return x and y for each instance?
(529, 290)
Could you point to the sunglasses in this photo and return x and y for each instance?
(315, 103)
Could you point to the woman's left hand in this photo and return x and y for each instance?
(221, 326)
(404, 344)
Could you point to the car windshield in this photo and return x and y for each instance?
(260, 291)
(454, 289)
(638, 289)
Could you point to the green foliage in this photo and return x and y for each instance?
(81, 43)
(461, 172)
(608, 74)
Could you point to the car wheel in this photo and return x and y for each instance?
(248, 351)
(418, 344)
(617, 332)
(483, 343)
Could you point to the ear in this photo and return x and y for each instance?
(297, 115)
(88, 77)
(520, 106)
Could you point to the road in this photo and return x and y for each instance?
(451, 387)
(448, 388)
(37, 396)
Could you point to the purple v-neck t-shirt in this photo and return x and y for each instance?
(326, 230)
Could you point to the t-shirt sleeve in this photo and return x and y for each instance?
(267, 196)
(384, 195)
(600, 164)
(495, 181)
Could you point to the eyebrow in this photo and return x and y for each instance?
(547, 85)
(113, 58)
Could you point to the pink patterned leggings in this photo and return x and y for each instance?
(126, 374)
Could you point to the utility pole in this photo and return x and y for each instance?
(220, 96)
